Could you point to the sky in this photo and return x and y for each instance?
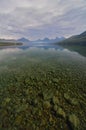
(36, 19)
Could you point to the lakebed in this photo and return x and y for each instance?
(42, 88)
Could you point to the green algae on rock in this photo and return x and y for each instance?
(74, 122)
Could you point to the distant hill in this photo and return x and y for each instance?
(75, 43)
(9, 42)
(75, 40)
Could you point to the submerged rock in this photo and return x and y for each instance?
(70, 100)
(7, 100)
(55, 108)
(18, 120)
(73, 121)
(60, 112)
(74, 102)
(35, 102)
(55, 80)
(47, 104)
(47, 95)
(55, 100)
(56, 93)
(67, 97)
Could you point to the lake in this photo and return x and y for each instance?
(42, 88)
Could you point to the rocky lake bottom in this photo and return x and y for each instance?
(42, 89)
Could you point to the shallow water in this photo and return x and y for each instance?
(30, 77)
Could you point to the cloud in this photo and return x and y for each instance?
(41, 18)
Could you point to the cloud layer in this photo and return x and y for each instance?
(41, 18)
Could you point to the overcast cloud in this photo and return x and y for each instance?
(36, 19)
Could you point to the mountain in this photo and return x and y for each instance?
(42, 40)
(47, 40)
(23, 40)
(75, 40)
(83, 34)
(57, 39)
(75, 43)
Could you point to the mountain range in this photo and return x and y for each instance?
(47, 40)
(39, 41)
(75, 40)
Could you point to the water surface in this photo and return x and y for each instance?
(42, 88)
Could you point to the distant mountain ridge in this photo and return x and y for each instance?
(44, 41)
(47, 40)
(75, 40)
(83, 34)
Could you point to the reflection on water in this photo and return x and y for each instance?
(8, 52)
(32, 54)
